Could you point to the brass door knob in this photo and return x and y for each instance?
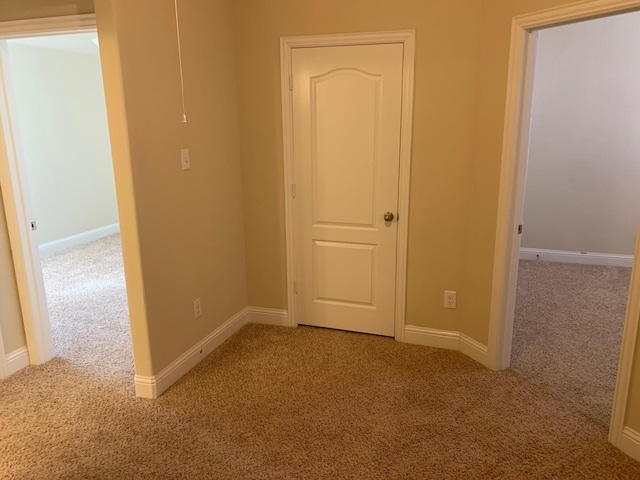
(388, 217)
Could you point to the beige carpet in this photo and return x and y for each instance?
(88, 308)
(305, 403)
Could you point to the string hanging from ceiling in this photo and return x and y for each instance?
(184, 114)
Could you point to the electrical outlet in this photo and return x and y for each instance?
(197, 308)
(184, 159)
(450, 300)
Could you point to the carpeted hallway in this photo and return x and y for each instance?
(306, 403)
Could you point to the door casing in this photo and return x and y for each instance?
(287, 44)
(511, 199)
(15, 191)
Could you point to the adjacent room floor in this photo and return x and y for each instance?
(306, 403)
(568, 332)
(88, 309)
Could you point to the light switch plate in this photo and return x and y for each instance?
(184, 159)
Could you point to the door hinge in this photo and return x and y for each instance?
(520, 229)
(293, 190)
(295, 286)
(34, 226)
(291, 82)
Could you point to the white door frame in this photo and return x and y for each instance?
(287, 44)
(511, 198)
(15, 191)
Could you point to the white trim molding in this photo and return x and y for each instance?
(153, 387)
(584, 258)
(78, 239)
(474, 349)
(430, 337)
(17, 360)
(407, 39)
(627, 353)
(511, 200)
(268, 316)
(44, 26)
(630, 443)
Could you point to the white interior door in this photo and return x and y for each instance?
(346, 119)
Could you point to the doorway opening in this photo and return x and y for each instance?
(517, 136)
(581, 209)
(55, 113)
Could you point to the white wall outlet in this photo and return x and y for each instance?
(197, 308)
(450, 300)
(184, 159)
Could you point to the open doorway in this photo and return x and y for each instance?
(581, 210)
(516, 148)
(57, 115)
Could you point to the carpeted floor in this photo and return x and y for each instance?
(305, 403)
(568, 332)
(88, 308)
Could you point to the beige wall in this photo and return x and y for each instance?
(189, 224)
(447, 35)
(65, 138)
(123, 173)
(10, 314)
(23, 9)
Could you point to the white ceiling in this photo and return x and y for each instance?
(75, 42)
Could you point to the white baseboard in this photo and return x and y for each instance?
(268, 316)
(630, 443)
(153, 387)
(474, 349)
(78, 239)
(587, 258)
(430, 337)
(17, 360)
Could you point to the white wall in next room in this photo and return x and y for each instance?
(63, 128)
(583, 180)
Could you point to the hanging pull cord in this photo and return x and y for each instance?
(184, 114)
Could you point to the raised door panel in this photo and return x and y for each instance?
(344, 273)
(344, 146)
